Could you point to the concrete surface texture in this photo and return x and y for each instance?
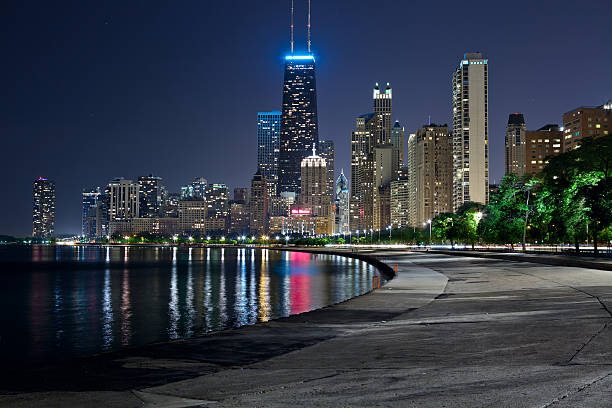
(449, 331)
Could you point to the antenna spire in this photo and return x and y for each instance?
(291, 27)
(309, 26)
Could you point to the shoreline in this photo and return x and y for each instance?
(51, 368)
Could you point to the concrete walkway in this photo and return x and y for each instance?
(449, 331)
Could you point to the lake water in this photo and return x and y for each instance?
(58, 302)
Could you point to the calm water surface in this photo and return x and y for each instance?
(60, 302)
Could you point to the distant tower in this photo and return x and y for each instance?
(299, 123)
(342, 204)
(150, 196)
(383, 105)
(43, 211)
(241, 195)
(515, 144)
(326, 150)
(315, 194)
(397, 140)
(259, 205)
(268, 147)
(89, 217)
(470, 131)
(124, 200)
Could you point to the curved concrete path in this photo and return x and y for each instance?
(447, 332)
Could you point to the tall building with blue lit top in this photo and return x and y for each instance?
(299, 124)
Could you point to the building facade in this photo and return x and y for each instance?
(515, 144)
(383, 105)
(241, 195)
(43, 208)
(150, 200)
(400, 203)
(539, 145)
(217, 199)
(363, 141)
(89, 214)
(327, 151)
(124, 199)
(258, 205)
(314, 191)
(397, 140)
(268, 147)
(586, 121)
(299, 122)
(342, 205)
(239, 218)
(470, 131)
(434, 172)
(192, 217)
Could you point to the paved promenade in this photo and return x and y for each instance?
(449, 331)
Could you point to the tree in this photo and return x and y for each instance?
(470, 214)
(445, 227)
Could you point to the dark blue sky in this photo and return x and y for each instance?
(96, 90)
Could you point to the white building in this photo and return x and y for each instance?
(470, 131)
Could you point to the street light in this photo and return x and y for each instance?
(371, 236)
(389, 233)
(429, 222)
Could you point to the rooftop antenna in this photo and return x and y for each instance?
(309, 26)
(291, 27)
(314, 146)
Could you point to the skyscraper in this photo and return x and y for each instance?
(217, 199)
(195, 189)
(470, 131)
(124, 199)
(150, 200)
(315, 194)
(268, 147)
(411, 170)
(515, 144)
(299, 123)
(259, 205)
(326, 150)
(383, 105)
(434, 172)
(397, 140)
(43, 208)
(89, 215)
(363, 142)
(342, 204)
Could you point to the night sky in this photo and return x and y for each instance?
(97, 90)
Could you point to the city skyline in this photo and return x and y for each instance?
(67, 136)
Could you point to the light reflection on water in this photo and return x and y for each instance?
(59, 302)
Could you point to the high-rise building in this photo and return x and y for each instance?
(383, 105)
(401, 198)
(299, 124)
(89, 215)
(43, 208)
(315, 194)
(397, 140)
(411, 170)
(150, 200)
(363, 141)
(539, 145)
(342, 205)
(192, 216)
(239, 218)
(170, 206)
(268, 147)
(195, 189)
(586, 121)
(470, 131)
(124, 199)
(434, 172)
(241, 195)
(217, 199)
(515, 144)
(326, 150)
(258, 205)
(385, 170)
